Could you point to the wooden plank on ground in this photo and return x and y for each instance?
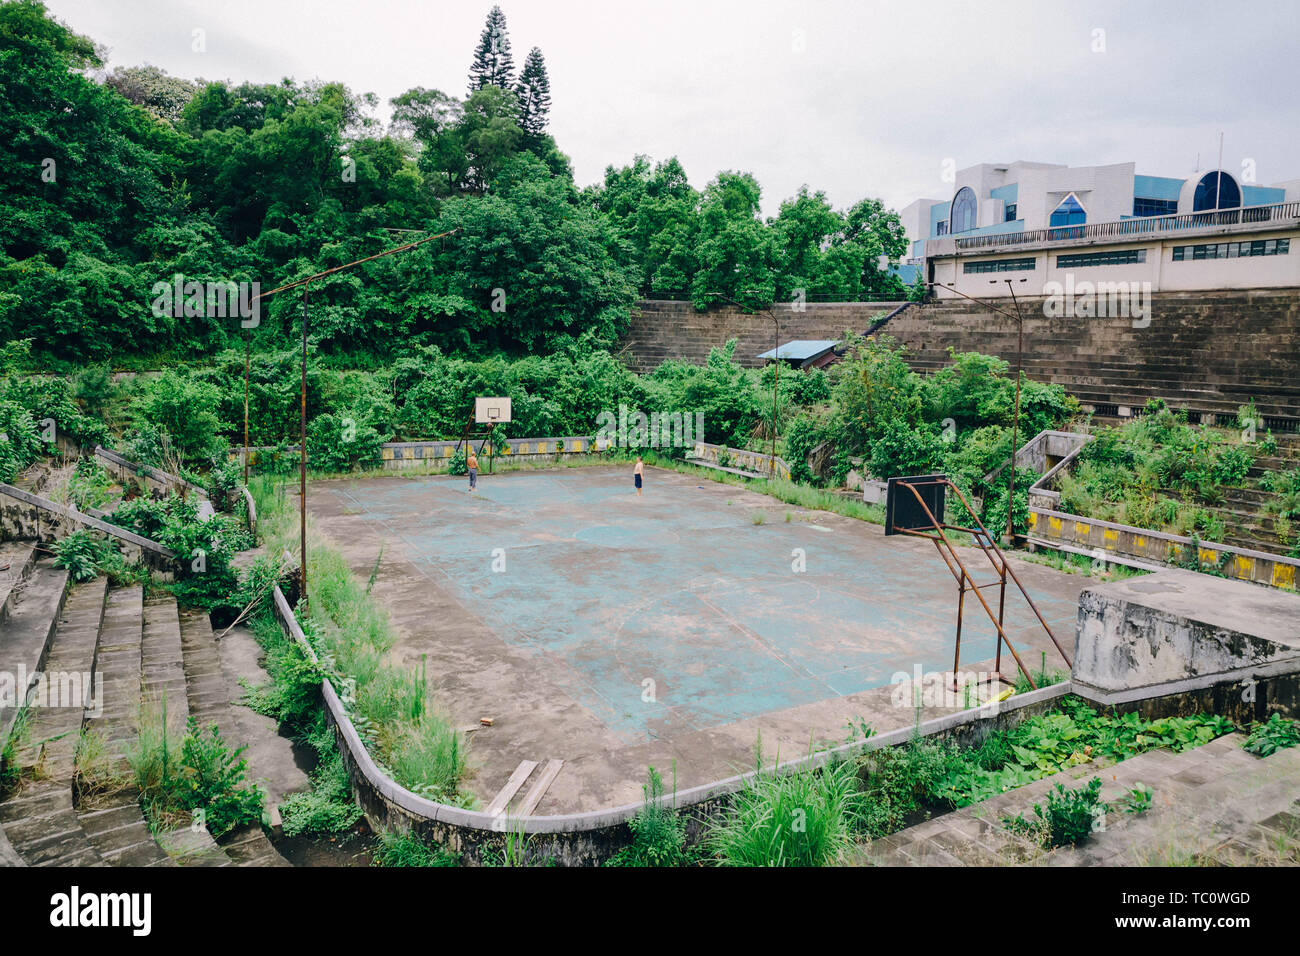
(502, 799)
(538, 789)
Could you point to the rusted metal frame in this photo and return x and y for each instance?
(1007, 569)
(1002, 634)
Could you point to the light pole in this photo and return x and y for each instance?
(302, 425)
(1015, 421)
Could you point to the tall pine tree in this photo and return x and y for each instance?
(534, 91)
(493, 65)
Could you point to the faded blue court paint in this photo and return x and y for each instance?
(680, 588)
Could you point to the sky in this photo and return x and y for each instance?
(859, 98)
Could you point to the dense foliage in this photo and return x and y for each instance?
(134, 178)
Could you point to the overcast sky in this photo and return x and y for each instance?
(856, 98)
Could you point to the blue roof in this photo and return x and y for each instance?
(801, 349)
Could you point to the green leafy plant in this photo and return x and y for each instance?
(1068, 818)
(1138, 799)
(1276, 733)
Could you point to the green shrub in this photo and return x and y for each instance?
(85, 555)
(901, 449)
(212, 778)
(341, 443)
(328, 806)
(899, 783)
(21, 444)
(202, 775)
(184, 409)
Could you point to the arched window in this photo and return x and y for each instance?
(1069, 213)
(1216, 190)
(965, 210)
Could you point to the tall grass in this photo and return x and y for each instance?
(800, 818)
(408, 735)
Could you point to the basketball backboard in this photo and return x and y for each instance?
(904, 513)
(491, 410)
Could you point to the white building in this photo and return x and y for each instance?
(1038, 224)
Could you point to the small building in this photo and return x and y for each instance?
(803, 354)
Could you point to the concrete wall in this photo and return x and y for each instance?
(1142, 547)
(31, 517)
(662, 330)
(1179, 626)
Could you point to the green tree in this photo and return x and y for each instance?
(534, 93)
(735, 250)
(493, 63)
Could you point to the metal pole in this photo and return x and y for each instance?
(248, 345)
(302, 430)
(776, 375)
(302, 449)
(1015, 421)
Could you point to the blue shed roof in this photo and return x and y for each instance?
(801, 350)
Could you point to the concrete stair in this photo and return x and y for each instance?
(133, 649)
(210, 694)
(39, 823)
(114, 822)
(32, 607)
(1210, 352)
(1212, 805)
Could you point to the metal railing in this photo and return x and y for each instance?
(1142, 226)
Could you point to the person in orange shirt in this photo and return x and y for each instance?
(471, 463)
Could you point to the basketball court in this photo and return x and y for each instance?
(612, 632)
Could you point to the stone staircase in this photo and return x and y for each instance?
(663, 329)
(1207, 352)
(1212, 805)
(209, 701)
(136, 648)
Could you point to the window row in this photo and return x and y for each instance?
(999, 265)
(1120, 257)
(1233, 250)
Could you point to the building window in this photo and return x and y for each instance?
(1154, 207)
(1010, 215)
(965, 210)
(943, 228)
(1233, 250)
(998, 265)
(1122, 257)
(1216, 190)
(1069, 213)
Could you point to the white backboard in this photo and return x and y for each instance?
(491, 410)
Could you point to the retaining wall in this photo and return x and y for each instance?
(28, 516)
(1144, 548)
